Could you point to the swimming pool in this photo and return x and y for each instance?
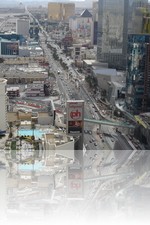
(30, 167)
(37, 133)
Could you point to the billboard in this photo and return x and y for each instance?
(75, 117)
(75, 182)
(75, 127)
(9, 48)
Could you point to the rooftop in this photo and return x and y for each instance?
(3, 80)
(105, 71)
(12, 88)
(117, 84)
(89, 61)
(58, 137)
(86, 14)
(5, 40)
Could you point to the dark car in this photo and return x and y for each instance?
(90, 132)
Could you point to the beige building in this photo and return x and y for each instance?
(3, 104)
(3, 194)
(58, 144)
(60, 11)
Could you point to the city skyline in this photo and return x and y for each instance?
(88, 3)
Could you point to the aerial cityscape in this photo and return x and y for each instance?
(75, 112)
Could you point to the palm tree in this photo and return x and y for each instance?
(10, 168)
(10, 129)
(18, 125)
(33, 128)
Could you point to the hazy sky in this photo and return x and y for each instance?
(82, 3)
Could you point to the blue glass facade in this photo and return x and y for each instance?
(14, 37)
(137, 95)
(9, 48)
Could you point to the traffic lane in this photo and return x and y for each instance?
(94, 153)
(107, 137)
(89, 160)
(94, 141)
(86, 97)
(88, 141)
(87, 111)
(91, 142)
(55, 67)
(100, 138)
(122, 155)
(72, 91)
(122, 143)
(62, 89)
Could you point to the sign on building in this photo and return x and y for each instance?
(75, 182)
(9, 48)
(75, 117)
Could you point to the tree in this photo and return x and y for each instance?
(17, 126)
(1, 60)
(10, 129)
(10, 168)
(33, 127)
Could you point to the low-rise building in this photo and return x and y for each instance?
(78, 53)
(104, 77)
(9, 48)
(13, 36)
(110, 82)
(35, 51)
(91, 64)
(115, 91)
(58, 143)
(23, 72)
(3, 105)
(44, 118)
(35, 89)
(82, 52)
(13, 92)
(24, 51)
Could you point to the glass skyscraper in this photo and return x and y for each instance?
(138, 73)
(112, 32)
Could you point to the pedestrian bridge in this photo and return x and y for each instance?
(109, 123)
(109, 176)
